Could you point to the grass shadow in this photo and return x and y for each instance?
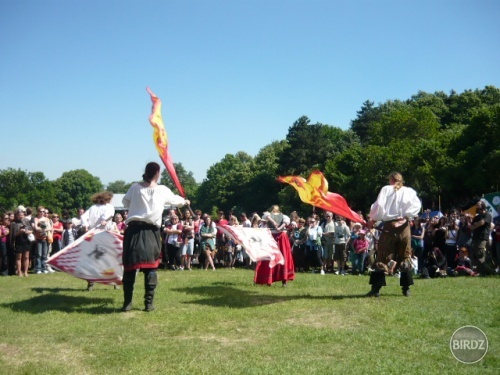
(223, 294)
(59, 302)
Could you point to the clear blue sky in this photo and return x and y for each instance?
(232, 75)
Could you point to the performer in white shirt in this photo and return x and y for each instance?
(395, 206)
(145, 202)
(100, 216)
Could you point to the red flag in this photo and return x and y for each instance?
(161, 140)
(315, 191)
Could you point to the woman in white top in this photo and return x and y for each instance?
(100, 216)
(145, 202)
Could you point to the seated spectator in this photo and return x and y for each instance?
(434, 264)
(464, 264)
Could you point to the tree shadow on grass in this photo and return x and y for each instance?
(64, 303)
(224, 294)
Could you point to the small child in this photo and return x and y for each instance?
(464, 264)
(69, 234)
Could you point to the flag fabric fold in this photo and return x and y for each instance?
(258, 243)
(96, 256)
(314, 191)
(161, 140)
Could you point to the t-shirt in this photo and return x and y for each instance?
(483, 232)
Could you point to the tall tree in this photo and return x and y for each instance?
(74, 188)
(225, 182)
(118, 187)
(186, 179)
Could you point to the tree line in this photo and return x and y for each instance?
(445, 145)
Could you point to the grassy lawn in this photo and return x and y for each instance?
(220, 323)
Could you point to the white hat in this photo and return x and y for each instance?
(21, 208)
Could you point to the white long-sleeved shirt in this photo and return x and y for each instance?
(147, 203)
(98, 213)
(394, 204)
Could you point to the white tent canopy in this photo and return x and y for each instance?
(117, 202)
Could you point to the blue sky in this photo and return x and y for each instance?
(232, 75)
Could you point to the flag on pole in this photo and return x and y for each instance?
(258, 243)
(161, 140)
(96, 256)
(315, 191)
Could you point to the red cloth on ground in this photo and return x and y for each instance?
(266, 275)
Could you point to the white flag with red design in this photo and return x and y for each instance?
(96, 256)
(258, 243)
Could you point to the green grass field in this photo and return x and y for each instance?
(218, 322)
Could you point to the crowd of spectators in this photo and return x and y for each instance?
(442, 245)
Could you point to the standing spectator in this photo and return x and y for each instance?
(396, 205)
(299, 245)
(20, 229)
(187, 240)
(208, 233)
(69, 234)
(41, 227)
(480, 228)
(58, 229)
(342, 234)
(329, 242)
(450, 245)
(464, 233)
(80, 222)
(145, 202)
(417, 241)
(244, 221)
(174, 242)
(4, 240)
(120, 224)
(360, 247)
(220, 240)
(313, 246)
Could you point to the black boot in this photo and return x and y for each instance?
(405, 281)
(90, 286)
(150, 282)
(375, 292)
(128, 290)
(377, 281)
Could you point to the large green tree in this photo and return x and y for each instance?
(118, 187)
(27, 188)
(185, 178)
(225, 184)
(74, 188)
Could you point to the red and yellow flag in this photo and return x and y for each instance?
(315, 191)
(161, 140)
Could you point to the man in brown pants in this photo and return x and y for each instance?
(395, 206)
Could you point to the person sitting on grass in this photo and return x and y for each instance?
(464, 264)
(434, 264)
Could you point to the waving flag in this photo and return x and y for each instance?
(96, 256)
(161, 140)
(315, 191)
(259, 243)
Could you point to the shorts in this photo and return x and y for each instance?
(340, 253)
(329, 251)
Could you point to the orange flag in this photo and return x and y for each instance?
(161, 140)
(315, 191)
